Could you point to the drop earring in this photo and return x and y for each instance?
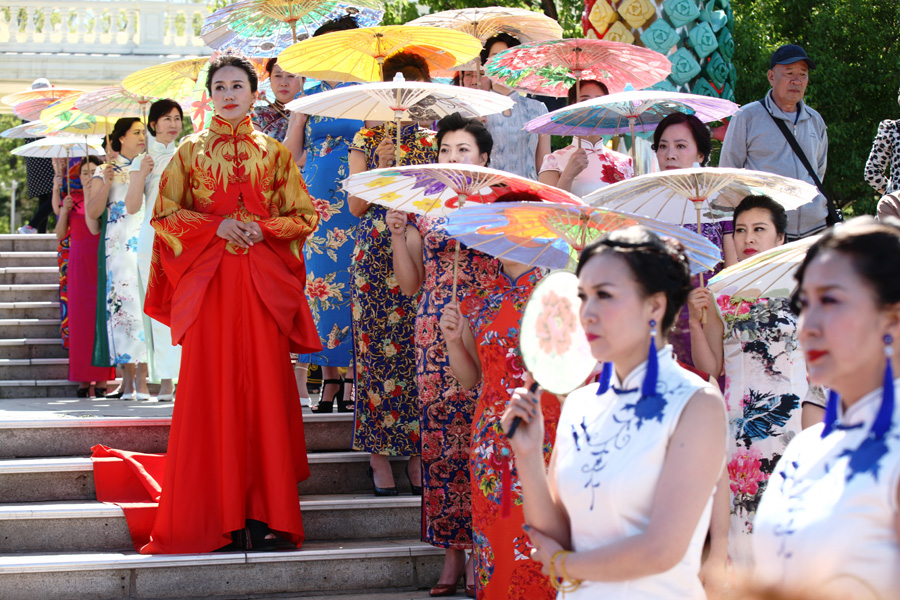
(648, 388)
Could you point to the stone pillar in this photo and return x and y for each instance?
(696, 35)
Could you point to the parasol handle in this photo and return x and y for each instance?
(68, 183)
(704, 319)
(462, 200)
(634, 149)
(397, 145)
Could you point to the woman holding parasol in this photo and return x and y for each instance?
(423, 256)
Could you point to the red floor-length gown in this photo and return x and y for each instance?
(236, 447)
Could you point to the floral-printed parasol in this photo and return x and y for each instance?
(547, 234)
(769, 274)
(29, 104)
(554, 346)
(550, 68)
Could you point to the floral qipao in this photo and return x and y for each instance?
(386, 395)
(329, 250)
(503, 569)
(827, 521)
(611, 450)
(124, 318)
(765, 382)
(272, 120)
(237, 448)
(447, 408)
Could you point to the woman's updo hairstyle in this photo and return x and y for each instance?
(699, 131)
(120, 129)
(159, 109)
(345, 23)
(572, 95)
(504, 37)
(775, 210)
(872, 247)
(232, 60)
(457, 122)
(659, 265)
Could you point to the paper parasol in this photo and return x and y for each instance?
(769, 274)
(32, 129)
(547, 234)
(400, 100)
(550, 68)
(115, 102)
(440, 189)
(485, 22)
(63, 117)
(553, 344)
(357, 54)
(61, 147)
(272, 19)
(176, 79)
(50, 95)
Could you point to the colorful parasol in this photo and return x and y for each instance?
(271, 20)
(769, 274)
(30, 110)
(485, 22)
(638, 110)
(32, 129)
(400, 100)
(63, 117)
(550, 68)
(176, 79)
(47, 94)
(438, 190)
(357, 54)
(546, 234)
(115, 102)
(553, 344)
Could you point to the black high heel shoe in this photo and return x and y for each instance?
(347, 406)
(392, 491)
(324, 407)
(260, 541)
(416, 489)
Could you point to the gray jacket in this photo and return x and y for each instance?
(753, 141)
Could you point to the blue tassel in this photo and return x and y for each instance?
(649, 386)
(605, 378)
(830, 412)
(882, 422)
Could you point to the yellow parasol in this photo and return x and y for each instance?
(63, 117)
(357, 54)
(175, 79)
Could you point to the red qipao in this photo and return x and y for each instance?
(236, 447)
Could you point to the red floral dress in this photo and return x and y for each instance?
(503, 568)
(446, 407)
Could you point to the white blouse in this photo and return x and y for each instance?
(827, 522)
(610, 452)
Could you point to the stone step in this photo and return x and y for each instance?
(25, 328)
(33, 292)
(46, 309)
(33, 368)
(14, 275)
(37, 388)
(95, 526)
(50, 347)
(317, 568)
(29, 259)
(43, 242)
(74, 436)
(71, 478)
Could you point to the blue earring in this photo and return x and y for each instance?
(882, 422)
(649, 386)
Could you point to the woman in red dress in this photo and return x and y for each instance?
(228, 277)
(482, 338)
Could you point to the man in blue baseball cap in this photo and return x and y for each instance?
(780, 134)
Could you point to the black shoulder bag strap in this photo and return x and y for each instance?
(834, 215)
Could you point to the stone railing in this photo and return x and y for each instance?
(167, 27)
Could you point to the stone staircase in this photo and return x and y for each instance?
(58, 542)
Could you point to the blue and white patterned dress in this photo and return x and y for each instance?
(124, 317)
(610, 453)
(827, 522)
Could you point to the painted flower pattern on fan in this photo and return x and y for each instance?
(765, 381)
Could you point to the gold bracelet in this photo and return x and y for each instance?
(574, 584)
(567, 585)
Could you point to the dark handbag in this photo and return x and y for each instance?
(834, 214)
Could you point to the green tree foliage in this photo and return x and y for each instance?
(857, 53)
(12, 168)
